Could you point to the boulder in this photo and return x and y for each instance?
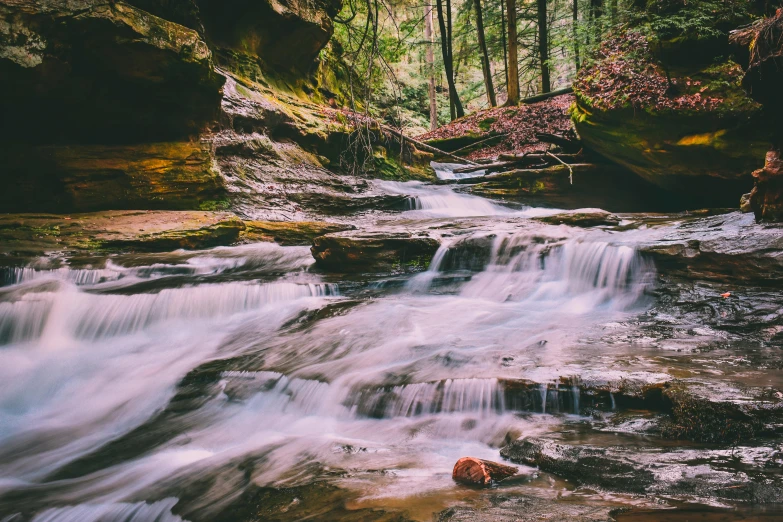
(480, 472)
(393, 252)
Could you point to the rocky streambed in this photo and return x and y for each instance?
(215, 368)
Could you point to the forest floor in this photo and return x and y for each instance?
(514, 127)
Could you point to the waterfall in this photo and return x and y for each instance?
(91, 316)
(120, 512)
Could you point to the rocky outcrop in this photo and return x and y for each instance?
(285, 35)
(91, 71)
(79, 178)
(664, 104)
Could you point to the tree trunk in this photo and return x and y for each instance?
(485, 65)
(543, 46)
(448, 64)
(512, 85)
(431, 68)
(503, 39)
(575, 34)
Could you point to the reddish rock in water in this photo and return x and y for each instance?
(470, 470)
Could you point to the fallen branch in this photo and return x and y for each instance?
(567, 144)
(570, 169)
(423, 146)
(547, 95)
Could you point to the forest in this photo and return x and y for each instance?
(391, 260)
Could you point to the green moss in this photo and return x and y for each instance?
(217, 204)
(486, 123)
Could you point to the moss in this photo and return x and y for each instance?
(36, 234)
(169, 175)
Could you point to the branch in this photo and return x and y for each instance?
(570, 169)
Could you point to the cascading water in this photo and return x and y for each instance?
(126, 384)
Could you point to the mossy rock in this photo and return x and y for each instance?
(116, 230)
(173, 175)
(685, 135)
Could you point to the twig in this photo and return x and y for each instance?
(570, 169)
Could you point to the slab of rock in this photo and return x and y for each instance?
(480, 472)
(125, 230)
(583, 217)
(521, 508)
(725, 248)
(398, 252)
(291, 232)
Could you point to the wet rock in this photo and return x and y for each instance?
(585, 217)
(471, 253)
(731, 474)
(723, 248)
(521, 508)
(393, 252)
(718, 412)
(290, 232)
(479, 472)
(36, 234)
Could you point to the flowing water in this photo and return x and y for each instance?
(149, 382)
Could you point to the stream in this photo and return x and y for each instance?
(198, 385)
